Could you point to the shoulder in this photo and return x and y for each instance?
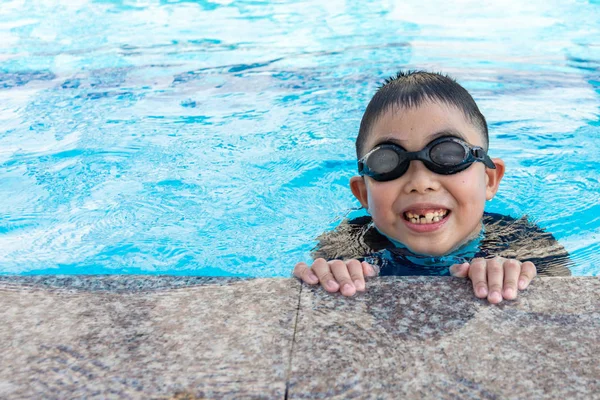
(352, 238)
(521, 239)
(512, 229)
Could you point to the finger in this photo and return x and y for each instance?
(368, 269)
(302, 271)
(512, 269)
(342, 276)
(478, 276)
(460, 270)
(321, 268)
(495, 279)
(528, 272)
(356, 274)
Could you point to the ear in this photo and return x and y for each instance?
(359, 190)
(493, 178)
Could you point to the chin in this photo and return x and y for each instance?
(429, 251)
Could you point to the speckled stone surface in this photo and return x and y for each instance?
(430, 338)
(131, 337)
(145, 337)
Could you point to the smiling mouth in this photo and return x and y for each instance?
(425, 217)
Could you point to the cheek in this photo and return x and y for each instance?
(469, 188)
(380, 198)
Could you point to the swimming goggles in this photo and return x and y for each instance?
(446, 155)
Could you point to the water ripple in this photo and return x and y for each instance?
(218, 138)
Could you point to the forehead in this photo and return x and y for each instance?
(414, 127)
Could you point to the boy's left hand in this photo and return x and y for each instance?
(496, 278)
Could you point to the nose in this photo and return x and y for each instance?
(419, 179)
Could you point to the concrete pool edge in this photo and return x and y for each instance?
(192, 337)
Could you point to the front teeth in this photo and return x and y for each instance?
(427, 218)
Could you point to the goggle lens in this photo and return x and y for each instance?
(383, 161)
(447, 154)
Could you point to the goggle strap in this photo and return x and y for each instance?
(360, 167)
(481, 155)
(477, 152)
(487, 161)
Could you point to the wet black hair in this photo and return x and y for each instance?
(410, 89)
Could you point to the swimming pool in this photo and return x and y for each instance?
(217, 138)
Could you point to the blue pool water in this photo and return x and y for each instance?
(217, 137)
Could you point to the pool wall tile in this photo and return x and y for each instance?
(429, 337)
(140, 338)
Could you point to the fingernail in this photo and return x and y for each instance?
(482, 291)
(347, 289)
(370, 270)
(332, 285)
(522, 284)
(510, 293)
(495, 297)
(359, 285)
(312, 276)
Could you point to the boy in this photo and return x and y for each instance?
(424, 179)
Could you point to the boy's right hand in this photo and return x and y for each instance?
(346, 276)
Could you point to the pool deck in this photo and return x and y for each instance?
(143, 337)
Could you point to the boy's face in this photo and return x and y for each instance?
(457, 199)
